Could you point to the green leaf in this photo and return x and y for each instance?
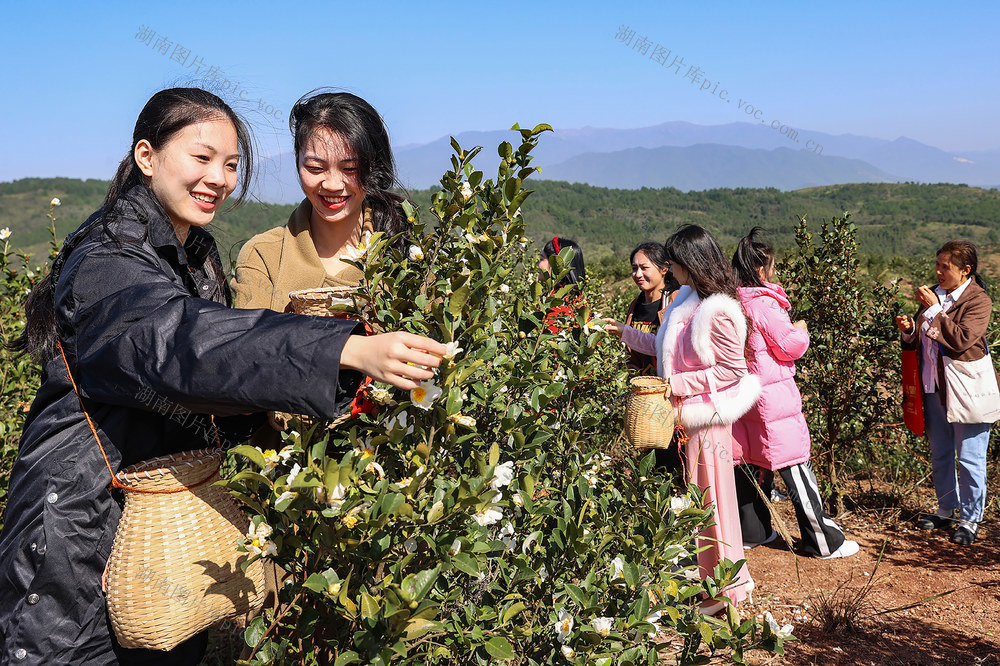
(252, 454)
(511, 611)
(417, 585)
(255, 631)
(345, 658)
(369, 606)
(494, 455)
(419, 626)
(466, 564)
(316, 582)
(457, 301)
(500, 648)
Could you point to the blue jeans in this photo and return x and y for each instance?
(965, 490)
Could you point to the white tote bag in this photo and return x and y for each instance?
(972, 392)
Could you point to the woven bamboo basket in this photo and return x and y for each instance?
(649, 415)
(341, 302)
(175, 569)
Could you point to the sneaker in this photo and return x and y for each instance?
(777, 495)
(846, 549)
(936, 521)
(770, 537)
(965, 533)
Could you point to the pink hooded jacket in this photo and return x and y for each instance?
(773, 434)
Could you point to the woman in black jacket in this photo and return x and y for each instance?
(137, 302)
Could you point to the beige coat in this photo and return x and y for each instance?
(284, 259)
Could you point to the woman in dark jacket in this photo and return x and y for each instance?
(137, 302)
(951, 326)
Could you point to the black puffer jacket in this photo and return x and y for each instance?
(154, 349)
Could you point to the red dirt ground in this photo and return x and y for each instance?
(962, 627)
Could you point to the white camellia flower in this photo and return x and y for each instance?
(4, 233)
(287, 495)
(567, 651)
(654, 619)
(563, 626)
(781, 632)
(451, 349)
(55, 202)
(503, 474)
(380, 395)
(679, 504)
(399, 421)
(466, 190)
(425, 394)
(336, 498)
(517, 499)
(272, 458)
(603, 625)
(258, 542)
(294, 473)
(463, 420)
(617, 567)
(416, 254)
(455, 549)
(507, 536)
(489, 514)
(504, 288)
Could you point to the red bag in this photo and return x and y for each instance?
(913, 404)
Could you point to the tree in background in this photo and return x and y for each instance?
(850, 377)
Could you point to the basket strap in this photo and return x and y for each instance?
(115, 482)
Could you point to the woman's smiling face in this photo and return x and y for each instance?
(645, 273)
(328, 172)
(193, 173)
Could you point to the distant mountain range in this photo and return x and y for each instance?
(688, 157)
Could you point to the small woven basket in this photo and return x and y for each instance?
(649, 415)
(175, 568)
(341, 302)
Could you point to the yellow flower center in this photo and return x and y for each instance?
(419, 394)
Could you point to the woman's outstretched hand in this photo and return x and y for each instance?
(401, 359)
(614, 327)
(904, 323)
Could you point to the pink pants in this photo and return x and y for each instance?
(710, 466)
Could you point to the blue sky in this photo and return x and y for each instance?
(75, 75)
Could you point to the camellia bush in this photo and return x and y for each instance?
(492, 514)
(19, 377)
(850, 377)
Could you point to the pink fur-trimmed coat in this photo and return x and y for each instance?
(700, 350)
(773, 434)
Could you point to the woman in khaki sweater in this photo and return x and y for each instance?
(346, 170)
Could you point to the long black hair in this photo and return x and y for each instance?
(697, 251)
(577, 272)
(361, 126)
(163, 116)
(752, 253)
(657, 254)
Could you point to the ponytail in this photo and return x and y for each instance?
(752, 253)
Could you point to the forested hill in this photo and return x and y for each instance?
(893, 219)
